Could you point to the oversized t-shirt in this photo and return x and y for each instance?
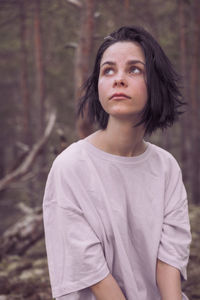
(105, 213)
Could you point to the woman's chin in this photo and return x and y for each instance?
(123, 114)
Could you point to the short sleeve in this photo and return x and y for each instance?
(74, 252)
(176, 236)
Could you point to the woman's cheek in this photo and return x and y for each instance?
(101, 83)
(102, 88)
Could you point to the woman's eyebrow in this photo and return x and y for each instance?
(130, 62)
(135, 61)
(111, 63)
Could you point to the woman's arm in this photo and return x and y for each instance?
(107, 289)
(168, 281)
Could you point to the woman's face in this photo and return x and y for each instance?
(121, 86)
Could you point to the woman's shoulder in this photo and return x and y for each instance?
(164, 157)
(69, 158)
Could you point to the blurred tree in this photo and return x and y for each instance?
(194, 95)
(82, 59)
(39, 63)
(24, 74)
(126, 11)
(182, 7)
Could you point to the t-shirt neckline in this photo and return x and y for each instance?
(113, 157)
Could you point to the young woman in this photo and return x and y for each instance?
(115, 207)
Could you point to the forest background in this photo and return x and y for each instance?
(47, 50)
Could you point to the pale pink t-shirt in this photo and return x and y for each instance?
(105, 213)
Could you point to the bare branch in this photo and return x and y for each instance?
(24, 208)
(77, 3)
(71, 45)
(28, 161)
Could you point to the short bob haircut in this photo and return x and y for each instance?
(164, 96)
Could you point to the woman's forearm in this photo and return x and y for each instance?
(107, 289)
(168, 281)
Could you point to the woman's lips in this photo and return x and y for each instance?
(119, 96)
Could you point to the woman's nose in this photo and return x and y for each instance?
(120, 82)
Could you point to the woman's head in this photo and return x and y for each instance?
(163, 96)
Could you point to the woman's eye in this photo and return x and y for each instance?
(135, 70)
(108, 71)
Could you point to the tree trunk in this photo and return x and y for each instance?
(182, 6)
(39, 116)
(24, 75)
(195, 146)
(40, 85)
(126, 11)
(82, 60)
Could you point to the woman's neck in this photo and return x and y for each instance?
(123, 140)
